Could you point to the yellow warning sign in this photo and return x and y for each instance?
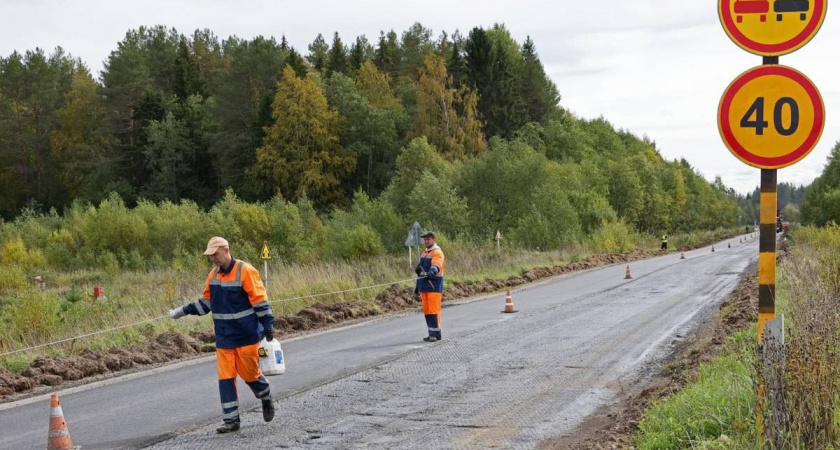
(265, 254)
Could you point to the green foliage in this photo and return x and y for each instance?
(16, 254)
(418, 157)
(29, 316)
(719, 402)
(347, 238)
(612, 237)
(436, 204)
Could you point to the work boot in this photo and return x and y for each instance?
(430, 339)
(228, 427)
(268, 409)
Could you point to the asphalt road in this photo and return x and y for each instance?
(496, 380)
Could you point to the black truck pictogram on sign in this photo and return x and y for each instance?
(786, 6)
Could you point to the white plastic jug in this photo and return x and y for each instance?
(271, 357)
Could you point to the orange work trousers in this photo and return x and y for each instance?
(431, 309)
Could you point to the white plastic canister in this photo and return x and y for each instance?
(271, 357)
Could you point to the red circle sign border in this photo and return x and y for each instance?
(780, 161)
(782, 48)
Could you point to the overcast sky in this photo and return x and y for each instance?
(655, 68)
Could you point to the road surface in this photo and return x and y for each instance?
(496, 380)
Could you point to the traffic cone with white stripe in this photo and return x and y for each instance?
(627, 275)
(59, 436)
(509, 303)
(682, 255)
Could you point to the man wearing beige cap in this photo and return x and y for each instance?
(235, 295)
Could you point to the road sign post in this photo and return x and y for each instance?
(265, 256)
(414, 239)
(770, 117)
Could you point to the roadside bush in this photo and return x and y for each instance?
(382, 218)
(173, 227)
(113, 229)
(285, 229)
(239, 222)
(314, 231)
(16, 254)
(613, 237)
(61, 249)
(347, 238)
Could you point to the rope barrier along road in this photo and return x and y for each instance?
(48, 344)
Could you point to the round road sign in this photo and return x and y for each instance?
(771, 116)
(771, 27)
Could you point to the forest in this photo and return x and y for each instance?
(331, 152)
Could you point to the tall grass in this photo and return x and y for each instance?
(717, 406)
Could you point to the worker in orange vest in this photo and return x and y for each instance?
(430, 284)
(235, 295)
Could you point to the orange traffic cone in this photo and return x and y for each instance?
(627, 275)
(682, 255)
(728, 245)
(509, 303)
(713, 249)
(59, 435)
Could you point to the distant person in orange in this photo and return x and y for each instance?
(235, 295)
(430, 284)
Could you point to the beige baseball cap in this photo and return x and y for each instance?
(214, 244)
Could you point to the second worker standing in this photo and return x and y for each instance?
(430, 285)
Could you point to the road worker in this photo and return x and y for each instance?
(664, 242)
(235, 295)
(430, 284)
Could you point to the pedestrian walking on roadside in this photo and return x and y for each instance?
(235, 295)
(664, 242)
(430, 284)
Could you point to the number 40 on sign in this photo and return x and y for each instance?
(771, 116)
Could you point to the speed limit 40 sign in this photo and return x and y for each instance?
(771, 116)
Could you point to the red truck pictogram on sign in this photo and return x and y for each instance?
(742, 7)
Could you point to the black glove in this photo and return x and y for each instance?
(269, 335)
(418, 270)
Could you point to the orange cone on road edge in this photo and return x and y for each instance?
(509, 303)
(728, 245)
(682, 255)
(627, 275)
(59, 435)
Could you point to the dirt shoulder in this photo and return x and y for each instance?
(613, 426)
